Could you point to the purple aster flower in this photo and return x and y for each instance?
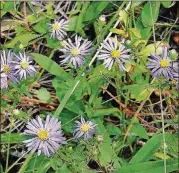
(75, 52)
(7, 66)
(84, 128)
(161, 65)
(24, 66)
(58, 29)
(47, 137)
(112, 52)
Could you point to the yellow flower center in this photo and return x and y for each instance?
(75, 51)
(43, 135)
(24, 64)
(56, 26)
(6, 68)
(85, 127)
(115, 53)
(164, 63)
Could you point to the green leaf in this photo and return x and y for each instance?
(150, 13)
(51, 66)
(102, 112)
(8, 6)
(72, 23)
(150, 48)
(41, 27)
(67, 97)
(13, 138)
(139, 130)
(34, 162)
(150, 167)
(166, 4)
(79, 20)
(148, 150)
(63, 169)
(105, 148)
(44, 94)
(94, 10)
(53, 43)
(23, 39)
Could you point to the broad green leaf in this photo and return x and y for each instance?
(72, 23)
(51, 66)
(44, 94)
(13, 138)
(81, 16)
(148, 150)
(94, 10)
(150, 167)
(144, 31)
(150, 13)
(23, 39)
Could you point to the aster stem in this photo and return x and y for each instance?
(8, 147)
(163, 130)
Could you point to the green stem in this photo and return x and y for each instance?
(23, 167)
(163, 130)
(8, 147)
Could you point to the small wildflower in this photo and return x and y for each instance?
(47, 136)
(84, 128)
(161, 66)
(113, 52)
(102, 18)
(24, 66)
(7, 67)
(75, 52)
(16, 112)
(58, 29)
(99, 138)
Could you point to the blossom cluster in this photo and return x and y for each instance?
(48, 135)
(15, 67)
(111, 51)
